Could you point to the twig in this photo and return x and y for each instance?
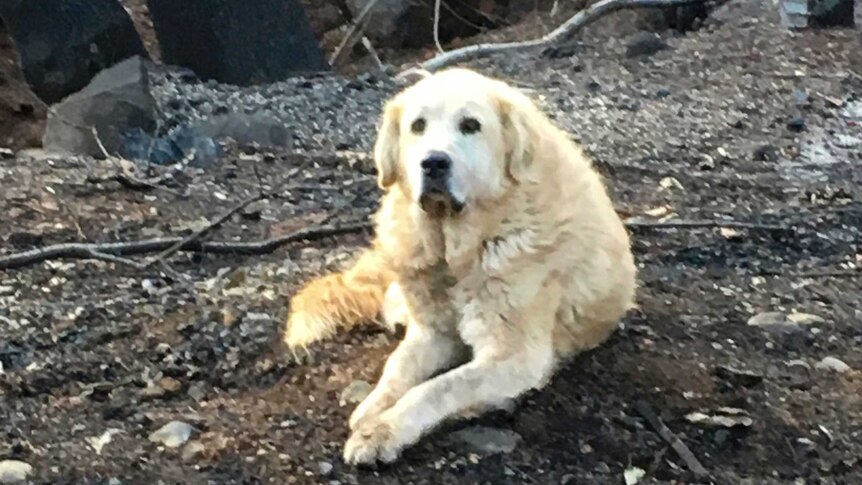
(645, 410)
(682, 224)
(575, 23)
(437, 26)
(148, 246)
(366, 42)
(354, 33)
(164, 255)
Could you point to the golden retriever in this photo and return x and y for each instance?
(497, 246)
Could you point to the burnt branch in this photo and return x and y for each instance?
(561, 33)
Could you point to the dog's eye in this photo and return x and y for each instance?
(468, 126)
(418, 125)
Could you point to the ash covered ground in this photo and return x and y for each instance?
(740, 121)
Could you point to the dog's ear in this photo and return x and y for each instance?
(518, 116)
(386, 147)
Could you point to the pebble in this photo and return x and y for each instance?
(14, 471)
(172, 434)
(354, 393)
(325, 468)
(487, 440)
(192, 450)
(783, 322)
(832, 363)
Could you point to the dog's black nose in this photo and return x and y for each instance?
(436, 164)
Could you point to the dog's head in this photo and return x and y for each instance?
(455, 139)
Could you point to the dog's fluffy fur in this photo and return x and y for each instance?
(535, 268)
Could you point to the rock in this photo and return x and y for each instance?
(192, 450)
(99, 442)
(14, 471)
(830, 13)
(407, 23)
(738, 377)
(246, 129)
(633, 475)
(834, 364)
(644, 44)
(847, 141)
(487, 440)
(237, 42)
(783, 322)
(62, 44)
(325, 468)
(722, 417)
(796, 124)
(354, 393)
(117, 101)
(177, 145)
(172, 434)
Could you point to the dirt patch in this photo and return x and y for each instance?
(731, 122)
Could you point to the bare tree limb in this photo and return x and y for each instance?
(437, 26)
(574, 24)
(354, 33)
(682, 224)
(197, 235)
(105, 251)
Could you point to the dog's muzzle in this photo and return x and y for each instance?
(436, 198)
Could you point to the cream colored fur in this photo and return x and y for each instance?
(536, 268)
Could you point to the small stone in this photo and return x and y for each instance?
(832, 363)
(796, 124)
(172, 434)
(644, 44)
(633, 475)
(14, 471)
(847, 141)
(170, 385)
(193, 450)
(325, 468)
(662, 93)
(487, 440)
(354, 393)
(783, 322)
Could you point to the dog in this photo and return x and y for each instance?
(496, 245)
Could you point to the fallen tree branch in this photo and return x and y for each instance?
(705, 224)
(574, 24)
(645, 410)
(148, 246)
(200, 233)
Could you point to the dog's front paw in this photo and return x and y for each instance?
(374, 441)
(370, 407)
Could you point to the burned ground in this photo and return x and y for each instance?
(741, 121)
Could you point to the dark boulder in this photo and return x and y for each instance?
(64, 43)
(236, 41)
(116, 102)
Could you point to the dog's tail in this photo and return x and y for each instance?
(338, 300)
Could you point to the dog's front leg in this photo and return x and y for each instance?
(424, 351)
(513, 353)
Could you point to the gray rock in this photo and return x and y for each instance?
(487, 440)
(644, 44)
(784, 322)
(354, 393)
(117, 101)
(172, 435)
(64, 43)
(14, 471)
(246, 129)
(237, 42)
(834, 364)
(325, 468)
